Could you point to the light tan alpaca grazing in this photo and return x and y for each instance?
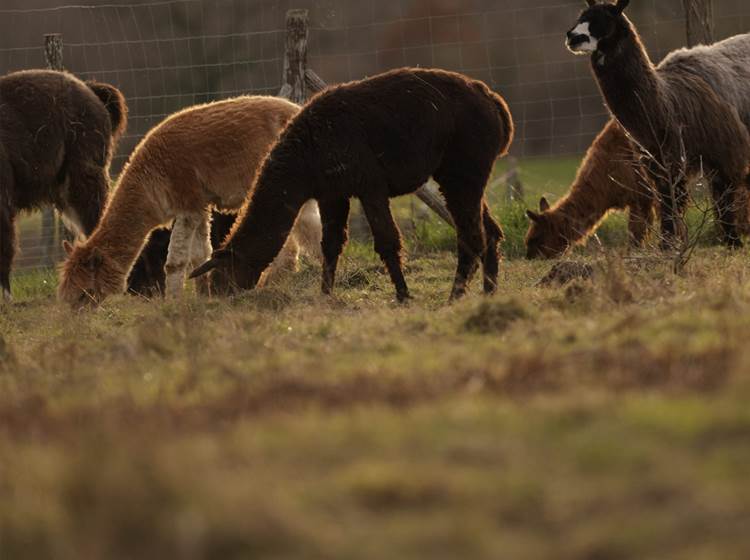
(200, 158)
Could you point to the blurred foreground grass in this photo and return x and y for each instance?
(604, 420)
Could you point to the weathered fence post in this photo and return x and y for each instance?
(514, 189)
(699, 16)
(295, 58)
(53, 54)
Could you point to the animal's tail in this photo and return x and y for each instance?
(505, 117)
(114, 101)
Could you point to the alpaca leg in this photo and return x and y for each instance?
(466, 207)
(640, 220)
(178, 255)
(7, 248)
(494, 235)
(387, 241)
(726, 199)
(200, 252)
(285, 261)
(334, 216)
(307, 230)
(672, 202)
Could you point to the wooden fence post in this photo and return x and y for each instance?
(295, 58)
(699, 16)
(53, 54)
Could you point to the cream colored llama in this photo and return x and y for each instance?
(201, 158)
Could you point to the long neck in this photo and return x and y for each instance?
(605, 181)
(267, 217)
(631, 86)
(128, 219)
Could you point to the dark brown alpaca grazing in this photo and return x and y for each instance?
(376, 139)
(690, 113)
(611, 177)
(57, 135)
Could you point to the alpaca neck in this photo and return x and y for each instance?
(631, 87)
(126, 223)
(579, 212)
(267, 218)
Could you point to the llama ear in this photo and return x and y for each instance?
(67, 247)
(591, 3)
(621, 5)
(218, 256)
(543, 204)
(533, 216)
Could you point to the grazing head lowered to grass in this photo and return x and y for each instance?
(610, 177)
(200, 158)
(375, 139)
(57, 137)
(690, 113)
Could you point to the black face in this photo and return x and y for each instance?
(231, 275)
(597, 23)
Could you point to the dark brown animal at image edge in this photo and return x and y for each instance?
(57, 139)
(375, 139)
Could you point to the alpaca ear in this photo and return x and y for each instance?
(621, 5)
(67, 247)
(591, 3)
(533, 216)
(218, 256)
(543, 204)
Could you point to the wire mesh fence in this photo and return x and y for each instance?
(167, 54)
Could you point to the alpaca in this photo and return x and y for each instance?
(375, 139)
(690, 113)
(57, 137)
(199, 158)
(147, 277)
(611, 177)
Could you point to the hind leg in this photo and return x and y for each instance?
(725, 197)
(466, 205)
(494, 234)
(178, 255)
(200, 252)
(387, 241)
(334, 217)
(7, 248)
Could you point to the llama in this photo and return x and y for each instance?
(57, 135)
(147, 277)
(610, 177)
(690, 113)
(375, 139)
(199, 158)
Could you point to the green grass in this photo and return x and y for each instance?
(606, 419)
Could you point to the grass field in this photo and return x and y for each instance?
(604, 420)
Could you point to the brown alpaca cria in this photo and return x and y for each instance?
(375, 139)
(610, 177)
(200, 158)
(690, 113)
(57, 136)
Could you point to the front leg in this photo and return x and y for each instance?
(178, 255)
(334, 216)
(200, 252)
(672, 202)
(7, 248)
(728, 204)
(387, 240)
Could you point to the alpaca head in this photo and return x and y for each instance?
(597, 25)
(88, 276)
(545, 238)
(229, 272)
